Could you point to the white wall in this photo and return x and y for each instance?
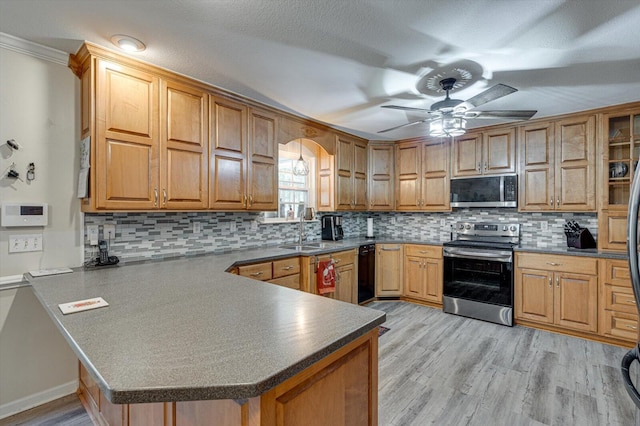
(39, 108)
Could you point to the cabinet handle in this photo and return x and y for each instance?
(550, 283)
(554, 263)
(423, 252)
(337, 260)
(245, 200)
(630, 301)
(551, 201)
(557, 281)
(632, 327)
(486, 166)
(557, 201)
(256, 274)
(155, 197)
(250, 200)
(286, 268)
(479, 165)
(164, 197)
(391, 249)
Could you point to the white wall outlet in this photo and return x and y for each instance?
(25, 243)
(392, 220)
(109, 231)
(544, 225)
(196, 227)
(443, 222)
(232, 226)
(92, 234)
(254, 225)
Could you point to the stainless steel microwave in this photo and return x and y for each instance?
(485, 191)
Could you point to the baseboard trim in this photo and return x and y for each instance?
(48, 395)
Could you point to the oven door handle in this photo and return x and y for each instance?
(497, 256)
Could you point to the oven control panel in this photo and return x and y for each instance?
(487, 229)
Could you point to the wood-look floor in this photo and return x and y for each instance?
(442, 369)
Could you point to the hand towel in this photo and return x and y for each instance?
(326, 277)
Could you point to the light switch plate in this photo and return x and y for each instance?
(25, 243)
(109, 231)
(92, 234)
(232, 226)
(196, 227)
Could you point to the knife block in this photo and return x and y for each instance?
(580, 240)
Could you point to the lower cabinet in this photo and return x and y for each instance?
(556, 290)
(284, 272)
(346, 274)
(618, 316)
(423, 272)
(389, 270)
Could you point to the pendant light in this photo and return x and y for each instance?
(301, 168)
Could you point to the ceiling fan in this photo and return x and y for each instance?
(448, 117)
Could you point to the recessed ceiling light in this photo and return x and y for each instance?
(128, 43)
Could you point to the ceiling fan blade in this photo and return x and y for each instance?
(411, 123)
(404, 108)
(491, 94)
(507, 113)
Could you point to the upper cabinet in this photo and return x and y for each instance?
(243, 164)
(557, 165)
(350, 174)
(381, 176)
(422, 176)
(487, 153)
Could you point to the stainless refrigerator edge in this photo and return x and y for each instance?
(632, 251)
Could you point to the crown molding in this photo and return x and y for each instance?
(30, 48)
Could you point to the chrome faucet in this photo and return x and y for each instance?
(301, 235)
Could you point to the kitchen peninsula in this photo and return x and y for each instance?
(182, 342)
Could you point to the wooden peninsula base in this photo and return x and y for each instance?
(340, 389)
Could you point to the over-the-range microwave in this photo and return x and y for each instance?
(485, 191)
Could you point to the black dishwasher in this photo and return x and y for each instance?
(366, 272)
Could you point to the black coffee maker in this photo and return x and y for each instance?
(332, 227)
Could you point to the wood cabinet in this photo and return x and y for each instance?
(244, 157)
(345, 380)
(422, 176)
(381, 176)
(557, 165)
(389, 270)
(487, 153)
(423, 272)
(351, 174)
(617, 316)
(557, 290)
(346, 274)
(284, 272)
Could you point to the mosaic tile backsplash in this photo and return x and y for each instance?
(141, 236)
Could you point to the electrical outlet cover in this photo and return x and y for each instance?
(232, 226)
(109, 231)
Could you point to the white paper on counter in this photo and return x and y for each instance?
(82, 305)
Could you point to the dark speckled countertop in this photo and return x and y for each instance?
(184, 329)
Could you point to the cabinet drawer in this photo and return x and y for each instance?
(616, 272)
(620, 325)
(291, 281)
(574, 264)
(259, 271)
(343, 257)
(619, 299)
(284, 267)
(423, 251)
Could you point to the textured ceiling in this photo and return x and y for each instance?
(338, 61)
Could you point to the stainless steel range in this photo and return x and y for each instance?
(478, 271)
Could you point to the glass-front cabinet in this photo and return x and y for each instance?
(621, 139)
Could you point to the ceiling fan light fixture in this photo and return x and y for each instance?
(448, 126)
(128, 43)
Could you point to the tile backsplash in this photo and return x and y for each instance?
(141, 236)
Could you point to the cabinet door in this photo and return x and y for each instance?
(414, 277)
(359, 182)
(381, 177)
(499, 152)
(389, 271)
(262, 173)
(347, 283)
(435, 176)
(344, 174)
(127, 145)
(537, 153)
(408, 176)
(325, 182)
(612, 230)
(228, 147)
(534, 295)
(433, 272)
(183, 172)
(575, 185)
(576, 301)
(467, 155)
